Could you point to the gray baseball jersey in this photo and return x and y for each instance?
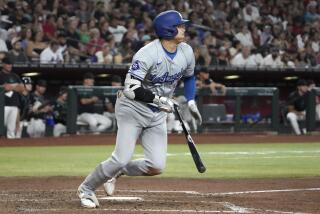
(157, 71)
(160, 74)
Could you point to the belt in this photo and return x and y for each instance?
(153, 108)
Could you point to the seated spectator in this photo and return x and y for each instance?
(17, 54)
(73, 39)
(84, 33)
(244, 36)
(36, 46)
(273, 60)
(296, 106)
(266, 36)
(251, 13)
(104, 56)
(49, 28)
(26, 37)
(60, 113)
(86, 111)
(95, 40)
(244, 58)
(235, 49)
(51, 54)
(117, 30)
(3, 46)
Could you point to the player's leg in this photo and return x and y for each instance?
(11, 114)
(154, 143)
(88, 118)
(318, 112)
(128, 133)
(293, 119)
(59, 129)
(103, 122)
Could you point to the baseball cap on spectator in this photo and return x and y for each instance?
(116, 78)
(42, 83)
(88, 76)
(62, 90)
(7, 60)
(302, 82)
(26, 80)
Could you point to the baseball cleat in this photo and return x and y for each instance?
(110, 186)
(87, 198)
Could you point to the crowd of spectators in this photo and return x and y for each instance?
(271, 33)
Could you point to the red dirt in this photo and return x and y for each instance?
(57, 195)
(172, 138)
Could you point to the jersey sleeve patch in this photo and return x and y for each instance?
(138, 69)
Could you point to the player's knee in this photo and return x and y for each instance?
(156, 169)
(291, 116)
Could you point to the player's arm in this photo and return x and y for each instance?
(189, 93)
(133, 88)
(134, 91)
(190, 86)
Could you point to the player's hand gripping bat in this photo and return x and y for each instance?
(192, 147)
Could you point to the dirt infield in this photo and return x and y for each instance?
(108, 139)
(163, 195)
(159, 195)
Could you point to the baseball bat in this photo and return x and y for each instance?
(192, 147)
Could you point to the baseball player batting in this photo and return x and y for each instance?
(141, 108)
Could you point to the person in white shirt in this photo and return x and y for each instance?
(3, 46)
(244, 58)
(117, 30)
(104, 56)
(273, 60)
(244, 36)
(251, 13)
(51, 54)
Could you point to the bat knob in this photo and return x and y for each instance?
(202, 169)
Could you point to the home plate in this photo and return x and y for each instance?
(122, 198)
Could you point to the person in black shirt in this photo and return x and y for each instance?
(17, 54)
(296, 105)
(87, 113)
(25, 105)
(13, 87)
(204, 81)
(60, 113)
(41, 108)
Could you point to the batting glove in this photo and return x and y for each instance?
(165, 103)
(194, 111)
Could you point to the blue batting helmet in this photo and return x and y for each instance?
(166, 22)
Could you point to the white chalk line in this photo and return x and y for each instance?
(132, 210)
(228, 205)
(5, 193)
(243, 153)
(261, 191)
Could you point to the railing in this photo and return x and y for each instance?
(237, 92)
